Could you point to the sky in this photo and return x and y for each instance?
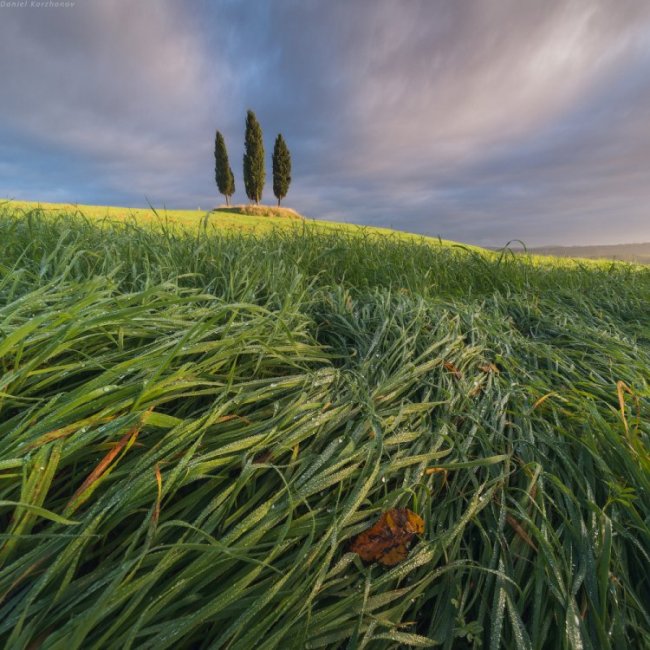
(482, 121)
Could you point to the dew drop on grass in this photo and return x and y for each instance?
(383, 479)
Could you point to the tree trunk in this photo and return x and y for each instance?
(227, 201)
(278, 203)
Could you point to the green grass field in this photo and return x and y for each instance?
(222, 219)
(196, 421)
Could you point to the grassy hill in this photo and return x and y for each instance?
(243, 219)
(195, 423)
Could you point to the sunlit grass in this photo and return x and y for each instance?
(236, 219)
(195, 424)
(227, 219)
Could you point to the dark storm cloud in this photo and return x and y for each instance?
(479, 121)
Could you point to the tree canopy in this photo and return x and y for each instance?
(281, 168)
(254, 172)
(222, 171)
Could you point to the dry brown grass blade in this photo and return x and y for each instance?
(68, 429)
(429, 471)
(542, 399)
(621, 389)
(77, 498)
(479, 385)
(516, 526)
(156, 511)
(25, 574)
(451, 368)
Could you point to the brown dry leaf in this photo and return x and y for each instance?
(394, 555)
(489, 367)
(387, 540)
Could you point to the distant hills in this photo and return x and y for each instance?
(639, 253)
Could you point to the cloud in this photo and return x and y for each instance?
(122, 86)
(479, 121)
(452, 86)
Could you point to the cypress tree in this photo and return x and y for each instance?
(254, 173)
(222, 171)
(281, 168)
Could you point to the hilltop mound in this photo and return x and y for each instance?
(260, 211)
